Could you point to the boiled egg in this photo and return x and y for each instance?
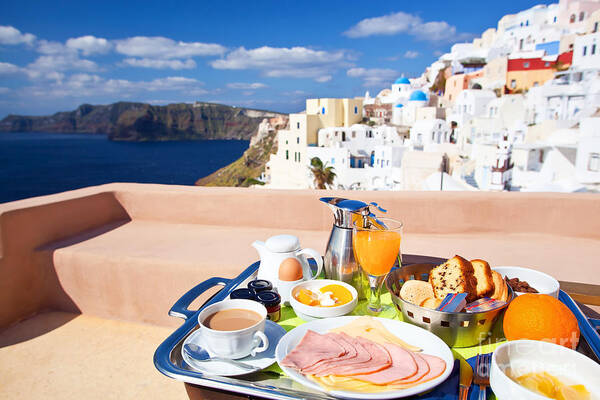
(290, 270)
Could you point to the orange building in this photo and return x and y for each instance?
(525, 73)
(457, 83)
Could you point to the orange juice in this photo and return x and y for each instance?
(376, 251)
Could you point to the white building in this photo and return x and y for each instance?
(425, 132)
(586, 52)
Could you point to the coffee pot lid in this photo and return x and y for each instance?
(282, 243)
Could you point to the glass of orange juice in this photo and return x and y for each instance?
(376, 245)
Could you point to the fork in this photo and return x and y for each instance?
(481, 375)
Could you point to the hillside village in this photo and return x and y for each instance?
(516, 109)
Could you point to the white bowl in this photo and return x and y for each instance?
(524, 356)
(309, 313)
(543, 283)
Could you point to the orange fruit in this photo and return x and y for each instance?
(541, 317)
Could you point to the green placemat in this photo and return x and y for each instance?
(289, 320)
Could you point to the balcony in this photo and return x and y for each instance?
(89, 275)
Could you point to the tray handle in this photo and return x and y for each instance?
(180, 308)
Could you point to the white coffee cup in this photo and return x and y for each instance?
(236, 343)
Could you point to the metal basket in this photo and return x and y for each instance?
(456, 329)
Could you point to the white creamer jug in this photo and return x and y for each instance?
(278, 248)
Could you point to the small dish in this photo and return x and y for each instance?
(543, 283)
(262, 360)
(524, 356)
(309, 313)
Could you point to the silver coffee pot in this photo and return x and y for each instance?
(339, 262)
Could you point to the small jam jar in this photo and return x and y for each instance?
(245, 294)
(260, 285)
(272, 301)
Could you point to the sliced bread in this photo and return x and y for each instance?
(500, 289)
(431, 302)
(483, 274)
(415, 291)
(454, 276)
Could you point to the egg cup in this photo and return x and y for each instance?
(285, 290)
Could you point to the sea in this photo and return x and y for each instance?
(35, 164)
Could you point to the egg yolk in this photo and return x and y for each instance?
(339, 294)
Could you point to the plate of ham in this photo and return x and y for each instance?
(364, 357)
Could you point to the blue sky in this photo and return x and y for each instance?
(261, 54)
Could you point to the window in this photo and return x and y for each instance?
(299, 156)
(513, 84)
(594, 162)
(298, 125)
(332, 160)
(286, 142)
(572, 18)
(584, 50)
(521, 44)
(527, 23)
(287, 154)
(595, 27)
(355, 110)
(323, 110)
(581, 16)
(450, 97)
(546, 64)
(526, 64)
(298, 140)
(536, 84)
(455, 83)
(554, 20)
(353, 134)
(593, 51)
(387, 163)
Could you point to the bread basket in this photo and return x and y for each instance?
(456, 329)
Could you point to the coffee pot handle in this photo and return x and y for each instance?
(311, 253)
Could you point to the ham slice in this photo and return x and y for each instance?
(437, 366)
(348, 348)
(422, 370)
(403, 366)
(313, 347)
(380, 359)
(362, 356)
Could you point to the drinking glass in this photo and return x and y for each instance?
(376, 248)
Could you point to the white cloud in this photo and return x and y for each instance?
(48, 66)
(160, 64)
(11, 35)
(165, 48)
(50, 47)
(411, 54)
(277, 62)
(89, 45)
(246, 86)
(4, 90)
(402, 22)
(8, 68)
(84, 85)
(372, 76)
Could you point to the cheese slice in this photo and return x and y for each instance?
(372, 329)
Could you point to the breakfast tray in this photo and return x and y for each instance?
(268, 383)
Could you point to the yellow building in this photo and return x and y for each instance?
(289, 167)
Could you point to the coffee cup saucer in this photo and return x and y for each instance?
(273, 331)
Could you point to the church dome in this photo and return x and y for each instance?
(399, 105)
(418, 95)
(402, 81)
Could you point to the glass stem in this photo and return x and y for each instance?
(375, 283)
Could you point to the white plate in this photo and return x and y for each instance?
(411, 334)
(542, 282)
(274, 333)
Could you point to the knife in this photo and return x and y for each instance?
(466, 377)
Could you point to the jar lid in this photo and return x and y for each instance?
(282, 243)
(245, 294)
(269, 298)
(260, 285)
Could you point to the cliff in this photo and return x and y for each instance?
(145, 122)
(246, 170)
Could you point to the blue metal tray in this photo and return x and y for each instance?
(271, 385)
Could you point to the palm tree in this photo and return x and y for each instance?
(323, 174)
